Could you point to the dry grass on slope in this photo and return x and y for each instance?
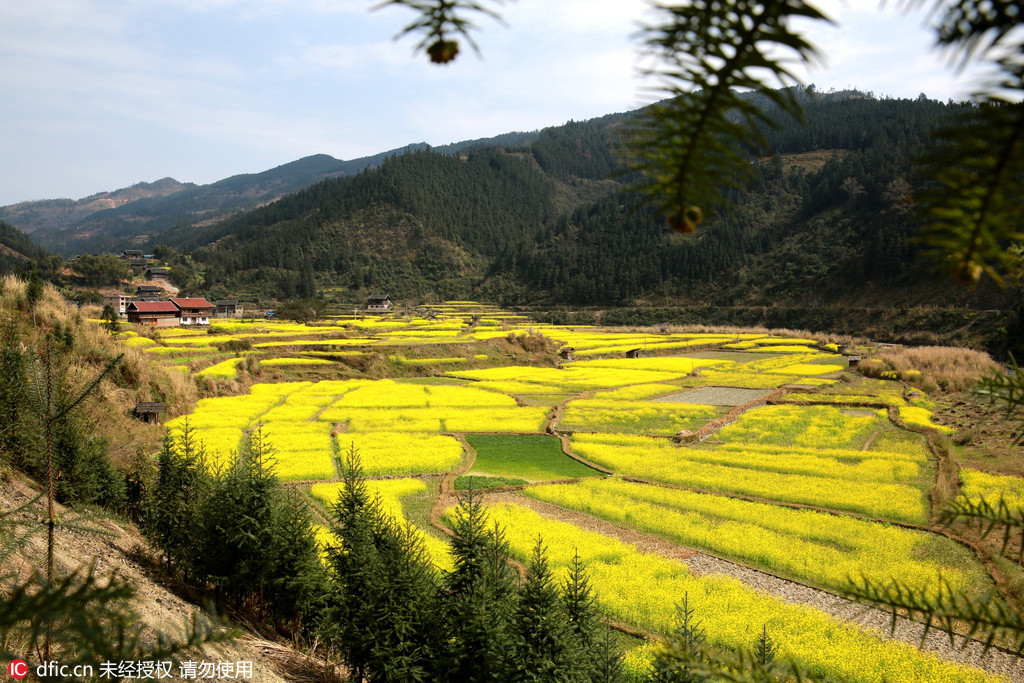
(931, 368)
(118, 550)
(110, 408)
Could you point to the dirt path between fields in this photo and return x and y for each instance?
(448, 496)
(996, 661)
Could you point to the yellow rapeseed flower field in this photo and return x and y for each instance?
(303, 450)
(798, 425)
(663, 462)
(403, 452)
(644, 590)
(639, 417)
(225, 369)
(922, 417)
(982, 485)
(815, 547)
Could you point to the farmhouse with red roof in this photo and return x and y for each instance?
(156, 313)
(194, 311)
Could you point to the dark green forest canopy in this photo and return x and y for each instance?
(824, 216)
(16, 249)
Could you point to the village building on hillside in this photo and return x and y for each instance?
(148, 293)
(158, 273)
(194, 311)
(378, 303)
(155, 313)
(129, 254)
(228, 308)
(138, 265)
(119, 302)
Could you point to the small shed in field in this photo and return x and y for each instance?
(149, 411)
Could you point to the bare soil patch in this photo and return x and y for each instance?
(716, 396)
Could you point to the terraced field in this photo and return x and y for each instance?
(741, 446)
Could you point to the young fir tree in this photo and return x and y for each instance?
(348, 615)
(541, 637)
(19, 435)
(674, 663)
(765, 649)
(407, 643)
(599, 657)
(173, 521)
(139, 477)
(296, 583)
(609, 668)
(110, 319)
(382, 611)
(236, 521)
(478, 599)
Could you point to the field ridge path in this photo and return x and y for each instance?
(447, 485)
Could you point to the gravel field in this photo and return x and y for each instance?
(717, 396)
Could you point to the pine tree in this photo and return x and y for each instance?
(609, 667)
(173, 520)
(478, 599)
(236, 520)
(382, 612)
(110, 319)
(541, 634)
(597, 654)
(296, 581)
(674, 663)
(765, 649)
(19, 437)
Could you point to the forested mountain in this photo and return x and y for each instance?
(824, 218)
(49, 215)
(16, 249)
(111, 221)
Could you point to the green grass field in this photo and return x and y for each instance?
(481, 481)
(529, 457)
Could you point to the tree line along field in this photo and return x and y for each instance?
(762, 450)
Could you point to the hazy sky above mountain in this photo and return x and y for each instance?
(97, 95)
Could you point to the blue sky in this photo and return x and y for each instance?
(96, 95)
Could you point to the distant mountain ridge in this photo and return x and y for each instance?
(36, 216)
(109, 221)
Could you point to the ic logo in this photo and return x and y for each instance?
(17, 668)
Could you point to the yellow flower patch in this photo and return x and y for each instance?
(403, 452)
(644, 590)
(815, 547)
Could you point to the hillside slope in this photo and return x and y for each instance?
(825, 217)
(118, 551)
(110, 221)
